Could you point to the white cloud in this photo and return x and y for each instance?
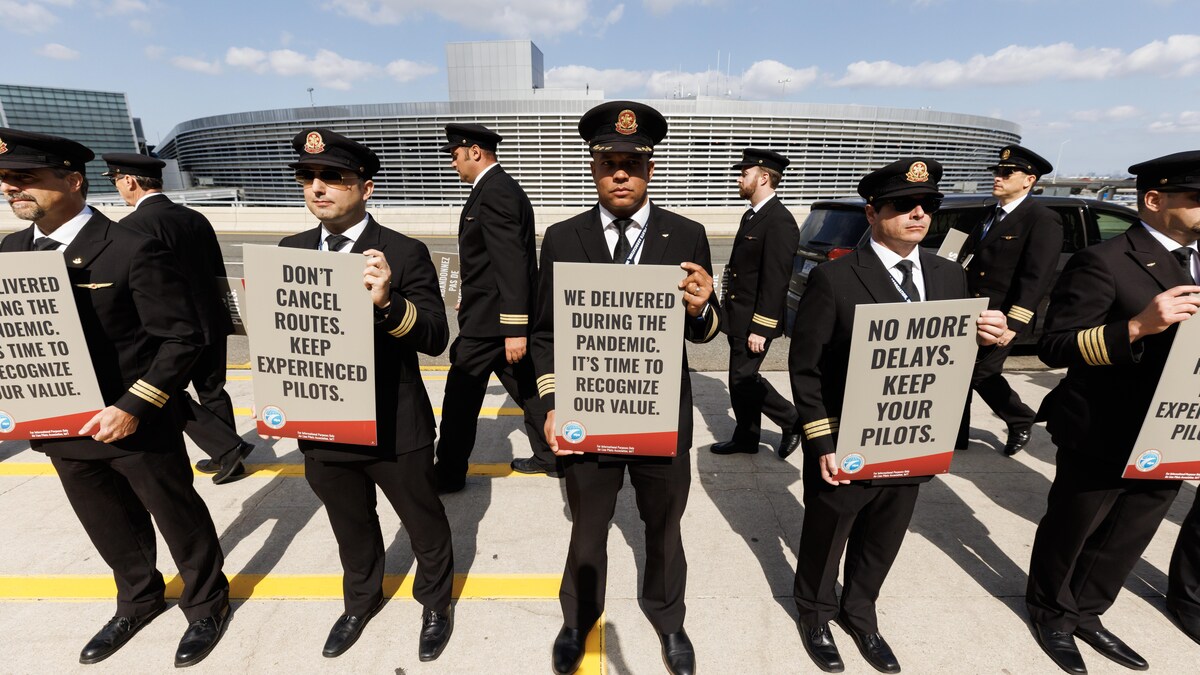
(514, 18)
(154, 52)
(1178, 55)
(197, 65)
(614, 15)
(1115, 114)
(53, 50)
(406, 71)
(760, 80)
(664, 6)
(124, 6)
(28, 17)
(325, 68)
(141, 26)
(1187, 122)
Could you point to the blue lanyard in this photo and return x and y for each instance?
(631, 259)
(895, 283)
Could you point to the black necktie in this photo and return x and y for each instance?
(621, 250)
(46, 244)
(997, 216)
(906, 283)
(1184, 255)
(335, 242)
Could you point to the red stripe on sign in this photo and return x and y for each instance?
(655, 444)
(355, 432)
(927, 465)
(1164, 471)
(62, 426)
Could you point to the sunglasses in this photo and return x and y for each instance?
(907, 204)
(330, 177)
(1004, 172)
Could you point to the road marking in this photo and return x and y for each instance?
(287, 470)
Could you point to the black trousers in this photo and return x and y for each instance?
(115, 500)
(869, 523)
(1183, 585)
(988, 380)
(1094, 531)
(347, 489)
(752, 396)
(661, 491)
(472, 361)
(210, 422)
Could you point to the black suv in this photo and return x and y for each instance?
(838, 226)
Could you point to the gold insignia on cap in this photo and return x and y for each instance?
(626, 123)
(66, 162)
(644, 148)
(1163, 181)
(3, 147)
(313, 143)
(917, 173)
(77, 261)
(1005, 153)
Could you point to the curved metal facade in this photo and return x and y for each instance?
(831, 147)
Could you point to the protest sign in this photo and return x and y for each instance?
(618, 355)
(952, 245)
(312, 349)
(48, 387)
(720, 277)
(233, 296)
(448, 269)
(909, 371)
(1168, 445)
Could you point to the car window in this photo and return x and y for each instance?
(1111, 224)
(826, 228)
(952, 219)
(1074, 232)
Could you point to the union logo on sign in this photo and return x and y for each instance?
(853, 463)
(7, 423)
(574, 432)
(1148, 460)
(273, 417)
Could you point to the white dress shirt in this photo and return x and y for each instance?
(890, 258)
(65, 234)
(631, 233)
(1170, 244)
(353, 233)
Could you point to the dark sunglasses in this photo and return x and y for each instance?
(1004, 171)
(330, 177)
(907, 204)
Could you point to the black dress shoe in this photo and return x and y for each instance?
(232, 468)
(876, 651)
(1188, 624)
(1111, 646)
(1017, 440)
(1060, 647)
(200, 638)
(115, 633)
(788, 445)
(678, 654)
(818, 642)
(436, 627)
(210, 467)
(733, 448)
(345, 632)
(530, 465)
(568, 651)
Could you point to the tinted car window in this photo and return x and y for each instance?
(826, 228)
(952, 219)
(1074, 232)
(1111, 224)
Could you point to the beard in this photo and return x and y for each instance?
(26, 210)
(746, 191)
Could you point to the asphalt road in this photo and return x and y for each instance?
(713, 356)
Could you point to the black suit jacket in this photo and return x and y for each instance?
(820, 350)
(670, 239)
(1014, 264)
(1098, 408)
(760, 267)
(415, 322)
(497, 258)
(190, 237)
(141, 329)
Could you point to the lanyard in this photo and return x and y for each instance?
(906, 296)
(631, 259)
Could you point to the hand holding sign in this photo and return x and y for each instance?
(1167, 308)
(697, 286)
(377, 277)
(991, 327)
(829, 469)
(110, 424)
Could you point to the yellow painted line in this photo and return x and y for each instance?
(287, 470)
(284, 587)
(238, 378)
(594, 662)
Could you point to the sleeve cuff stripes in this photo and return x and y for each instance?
(820, 428)
(765, 322)
(1020, 314)
(149, 393)
(406, 323)
(545, 385)
(714, 323)
(514, 319)
(1092, 347)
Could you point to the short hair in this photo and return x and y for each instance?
(60, 172)
(773, 176)
(148, 183)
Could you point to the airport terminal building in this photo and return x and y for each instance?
(501, 84)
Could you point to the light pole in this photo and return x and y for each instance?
(310, 98)
(1057, 161)
(784, 82)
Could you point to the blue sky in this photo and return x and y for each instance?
(1106, 83)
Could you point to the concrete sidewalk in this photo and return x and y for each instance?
(953, 602)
